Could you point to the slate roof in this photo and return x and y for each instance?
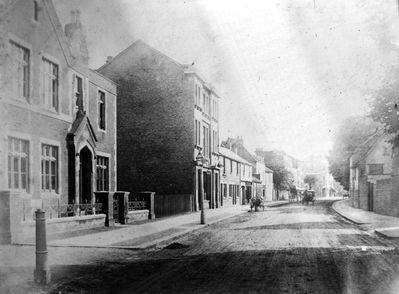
(230, 154)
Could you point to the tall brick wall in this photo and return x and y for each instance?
(155, 122)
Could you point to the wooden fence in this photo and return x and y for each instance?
(166, 205)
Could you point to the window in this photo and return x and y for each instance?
(387, 151)
(231, 166)
(101, 110)
(215, 109)
(18, 164)
(197, 133)
(36, 10)
(50, 85)
(215, 141)
(197, 95)
(20, 71)
(102, 173)
(224, 165)
(79, 93)
(49, 168)
(376, 169)
(237, 168)
(206, 142)
(206, 103)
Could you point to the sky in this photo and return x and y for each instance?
(288, 71)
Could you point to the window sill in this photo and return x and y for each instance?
(52, 111)
(38, 109)
(50, 193)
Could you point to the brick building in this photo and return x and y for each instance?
(371, 175)
(57, 117)
(167, 115)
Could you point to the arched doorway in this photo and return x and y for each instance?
(85, 175)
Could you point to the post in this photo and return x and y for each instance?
(42, 271)
(201, 197)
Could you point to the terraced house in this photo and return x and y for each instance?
(57, 117)
(168, 129)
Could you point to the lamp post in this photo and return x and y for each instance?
(200, 161)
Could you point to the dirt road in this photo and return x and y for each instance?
(289, 249)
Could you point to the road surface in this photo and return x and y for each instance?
(288, 249)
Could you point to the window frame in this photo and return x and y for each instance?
(103, 182)
(44, 158)
(54, 104)
(102, 103)
(375, 169)
(78, 106)
(13, 154)
(24, 91)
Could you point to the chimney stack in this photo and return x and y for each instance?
(76, 36)
(109, 58)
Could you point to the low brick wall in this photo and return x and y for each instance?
(137, 215)
(26, 230)
(383, 197)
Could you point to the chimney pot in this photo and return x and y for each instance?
(77, 19)
(109, 58)
(73, 16)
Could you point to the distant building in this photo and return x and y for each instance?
(247, 179)
(168, 114)
(268, 184)
(318, 166)
(233, 171)
(293, 166)
(57, 117)
(371, 175)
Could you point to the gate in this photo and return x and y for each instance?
(115, 205)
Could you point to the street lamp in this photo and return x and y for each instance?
(200, 162)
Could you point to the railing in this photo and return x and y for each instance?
(137, 205)
(62, 210)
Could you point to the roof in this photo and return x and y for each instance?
(187, 69)
(363, 149)
(230, 154)
(64, 45)
(256, 178)
(268, 170)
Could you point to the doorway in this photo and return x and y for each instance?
(370, 196)
(85, 176)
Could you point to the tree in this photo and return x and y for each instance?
(352, 132)
(311, 180)
(385, 110)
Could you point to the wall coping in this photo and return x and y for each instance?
(68, 219)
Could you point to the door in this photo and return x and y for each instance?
(85, 176)
(370, 196)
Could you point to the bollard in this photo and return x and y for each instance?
(42, 271)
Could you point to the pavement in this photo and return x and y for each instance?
(147, 234)
(294, 248)
(386, 226)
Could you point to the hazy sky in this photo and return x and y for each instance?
(288, 71)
